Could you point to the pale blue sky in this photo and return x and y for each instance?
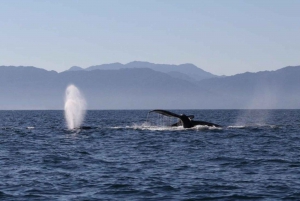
(220, 36)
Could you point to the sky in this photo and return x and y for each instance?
(221, 37)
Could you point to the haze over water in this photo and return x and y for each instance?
(122, 159)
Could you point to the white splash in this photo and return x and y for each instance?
(147, 126)
(237, 126)
(75, 107)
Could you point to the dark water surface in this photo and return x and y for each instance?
(255, 156)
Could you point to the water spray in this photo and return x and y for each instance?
(75, 107)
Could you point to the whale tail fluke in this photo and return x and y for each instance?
(185, 121)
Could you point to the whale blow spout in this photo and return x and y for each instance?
(75, 107)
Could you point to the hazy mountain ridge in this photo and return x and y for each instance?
(189, 71)
(75, 68)
(265, 89)
(125, 88)
(144, 88)
(287, 75)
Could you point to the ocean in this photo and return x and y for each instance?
(254, 156)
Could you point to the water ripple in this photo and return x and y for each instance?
(41, 160)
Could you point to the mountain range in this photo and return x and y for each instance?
(142, 85)
(188, 72)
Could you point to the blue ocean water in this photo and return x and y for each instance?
(255, 156)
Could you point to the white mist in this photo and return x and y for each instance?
(75, 107)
